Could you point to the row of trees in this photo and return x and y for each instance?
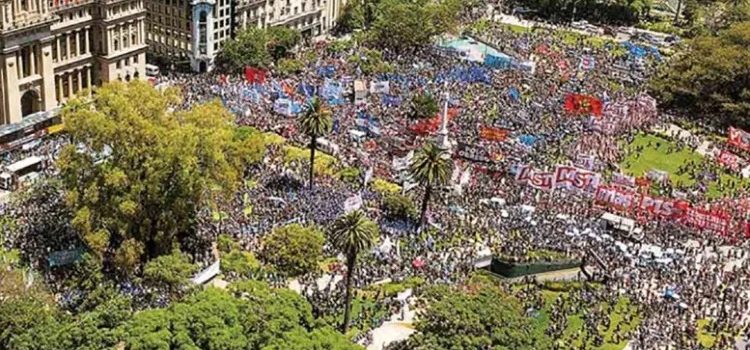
(255, 47)
(248, 315)
(710, 80)
(609, 12)
(398, 24)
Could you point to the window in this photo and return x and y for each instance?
(63, 47)
(118, 64)
(24, 5)
(115, 44)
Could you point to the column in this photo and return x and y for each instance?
(32, 59)
(12, 95)
(88, 79)
(80, 80)
(70, 84)
(88, 43)
(44, 60)
(69, 44)
(19, 59)
(59, 49)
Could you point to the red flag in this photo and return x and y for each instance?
(583, 104)
(255, 75)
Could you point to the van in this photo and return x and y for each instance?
(152, 70)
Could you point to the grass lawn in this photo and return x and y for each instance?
(575, 322)
(516, 28)
(658, 157)
(705, 337)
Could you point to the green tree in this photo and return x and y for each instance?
(249, 315)
(430, 167)
(399, 207)
(290, 66)
(248, 48)
(294, 249)
(352, 234)
(402, 25)
(711, 81)
(239, 264)
(315, 122)
(136, 174)
(281, 40)
(369, 61)
(170, 273)
(423, 105)
(476, 316)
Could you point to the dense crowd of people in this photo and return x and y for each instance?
(674, 275)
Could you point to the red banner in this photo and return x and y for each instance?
(661, 207)
(615, 198)
(542, 181)
(429, 126)
(730, 160)
(572, 177)
(583, 104)
(739, 138)
(708, 220)
(255, 75)
(493, 134)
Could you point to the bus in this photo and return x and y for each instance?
(22, 171)
(30, 128)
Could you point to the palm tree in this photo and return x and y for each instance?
(315, 122)
(352, 234)
(429, 167)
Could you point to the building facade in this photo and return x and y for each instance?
(50, 51)
(194, 30)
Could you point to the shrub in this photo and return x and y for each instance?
(350, 175)
(384, 187)
(288, 66)
(397, 207)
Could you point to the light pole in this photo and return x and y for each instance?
(443, 141)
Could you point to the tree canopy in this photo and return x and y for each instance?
(294, 249)
(613, 12)
(251, 315)
(136, 174)
(410, 24)
(711, 80)
(256, 47)
(476, 316)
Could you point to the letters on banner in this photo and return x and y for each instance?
(714, 221)
(567, 177)
(730, 160)
(624, 199)
(739, 138)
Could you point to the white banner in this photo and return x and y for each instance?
(380, 87)
(352, 203)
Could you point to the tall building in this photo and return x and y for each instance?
(193, 31)
(50, 51)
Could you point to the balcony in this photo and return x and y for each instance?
(284, 20)
(249, 4)
(64, 5)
